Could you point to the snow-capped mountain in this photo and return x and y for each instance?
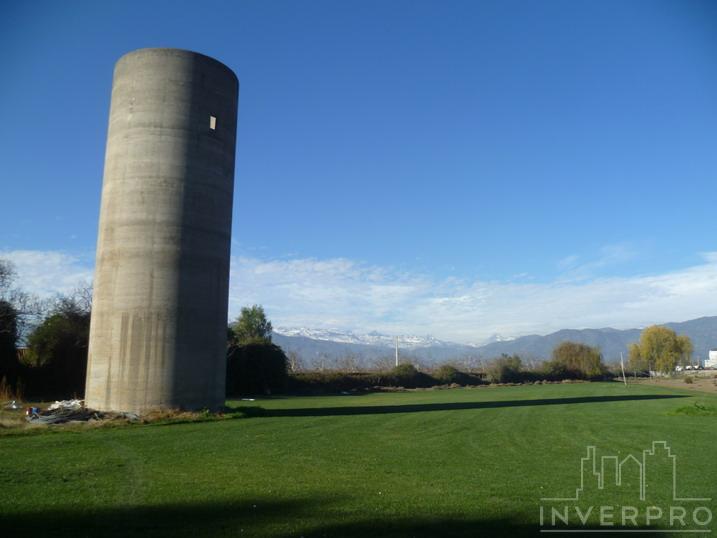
(326, 348)
(372, 338)
(323, 347)
(496, 338)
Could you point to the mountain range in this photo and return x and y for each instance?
(320, 347)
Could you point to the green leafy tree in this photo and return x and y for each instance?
(256, 368)
(686, 348)
(250, 327)
(9, 365)
(254, 364)
(660, 349)
(16, 310)
(635, 360)
(58, 350)
(572, 360)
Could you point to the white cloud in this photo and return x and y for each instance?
(47, 272)
(341, 293)
(345, 294)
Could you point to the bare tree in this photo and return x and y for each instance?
(77, 301)
(26, 309)
(383, 363)
(295, 362)
(348, 363)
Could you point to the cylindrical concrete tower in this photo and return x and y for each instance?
(159, 311)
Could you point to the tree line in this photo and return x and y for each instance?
(54, 335)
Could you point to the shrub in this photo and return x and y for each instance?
(405, 370)
(328, 382)
(505, 369)
(333, 381)
(406, 375)
(256, 368)
(689, 380)
(448, 374)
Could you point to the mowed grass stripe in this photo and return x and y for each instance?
(458, 462)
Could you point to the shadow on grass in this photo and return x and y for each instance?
(241, 518)
(257, 411)
(261, 517)
(235, 400)
(457, 528)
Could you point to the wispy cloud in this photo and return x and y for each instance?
(346, 294)
(48, 272)
(575, 267)
(342, 293)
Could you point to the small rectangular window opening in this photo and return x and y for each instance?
(212, 123)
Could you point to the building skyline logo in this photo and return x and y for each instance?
(644, 479)
(589, 465)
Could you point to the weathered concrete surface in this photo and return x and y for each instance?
(159, 310)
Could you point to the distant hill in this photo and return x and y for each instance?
(610, 341)
(702, 332)
(330, 346)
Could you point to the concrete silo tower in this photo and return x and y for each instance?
(159, 312)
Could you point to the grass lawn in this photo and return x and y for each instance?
(460, 462)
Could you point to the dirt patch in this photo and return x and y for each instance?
(14, 421)
(700, 383)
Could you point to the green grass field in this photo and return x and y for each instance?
(460, 462)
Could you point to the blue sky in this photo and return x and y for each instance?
(452, 168)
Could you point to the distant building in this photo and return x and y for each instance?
(711, 362)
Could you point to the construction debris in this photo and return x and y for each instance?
(66, 404)
(71, 411)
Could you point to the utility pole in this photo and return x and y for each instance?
(622, 366)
